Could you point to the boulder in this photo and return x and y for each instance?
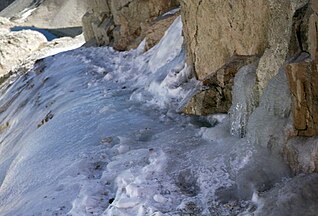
(16, 47)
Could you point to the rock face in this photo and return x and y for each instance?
(302, 72)
(47, 13)
(5, 3)
(283, 101)
(303, 83)
(279, 33)
(123, 24)
(216, 31)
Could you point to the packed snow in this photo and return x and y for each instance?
(94, 131)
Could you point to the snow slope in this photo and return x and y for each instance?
(97, 132)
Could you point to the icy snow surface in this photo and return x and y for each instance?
(96, 132)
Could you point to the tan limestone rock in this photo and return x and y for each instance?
(217, 30)
(303, 84)
(123, 24)
(156, 30)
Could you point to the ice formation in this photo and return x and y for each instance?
(93, 131)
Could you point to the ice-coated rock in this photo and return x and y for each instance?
(267, 124)
(244, 99)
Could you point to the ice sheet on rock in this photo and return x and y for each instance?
(267, 124)
(169, 79)
(245, 99)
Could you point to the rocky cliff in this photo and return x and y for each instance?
(224, 36)
(245, 28)
(257, 60)
(47, 13)
(5, 3)
(124, 24)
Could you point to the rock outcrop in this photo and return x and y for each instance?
(124, 24)
(216, 31)
(16, 47)
(19, 50)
